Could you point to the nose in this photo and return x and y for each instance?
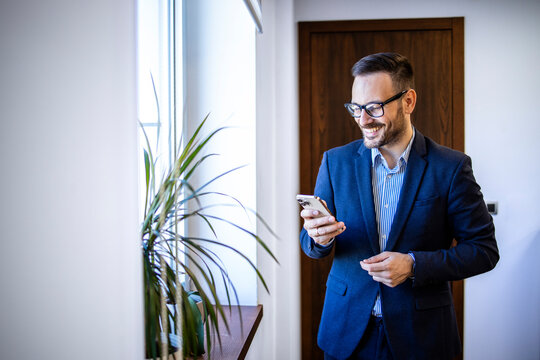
(364, 119)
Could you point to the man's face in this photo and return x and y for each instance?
(389, 128)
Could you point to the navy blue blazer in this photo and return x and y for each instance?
(440, 201)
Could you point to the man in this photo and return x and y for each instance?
(400, 199)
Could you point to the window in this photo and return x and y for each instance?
(197, 58)
(159, 41)
(219, 56)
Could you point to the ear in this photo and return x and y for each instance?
(409, 101)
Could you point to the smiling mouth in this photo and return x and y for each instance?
(372, 130)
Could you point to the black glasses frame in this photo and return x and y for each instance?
(364, 107)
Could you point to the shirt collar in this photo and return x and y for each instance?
(375, 153)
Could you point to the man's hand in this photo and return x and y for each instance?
(321, 228)
(389, 268)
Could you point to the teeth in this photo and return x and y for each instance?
(372, 130)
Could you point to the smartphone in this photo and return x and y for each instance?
(312, 202)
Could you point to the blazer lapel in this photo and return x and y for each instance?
(413, 178)
(365, 191)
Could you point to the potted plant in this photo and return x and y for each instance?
(173, 321)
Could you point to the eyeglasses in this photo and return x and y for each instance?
(373, 109)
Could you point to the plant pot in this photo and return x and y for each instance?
(174, 353)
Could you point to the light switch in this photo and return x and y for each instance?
(493, 207)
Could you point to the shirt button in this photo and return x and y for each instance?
(388, 176)
(386, 206)
(384, 237)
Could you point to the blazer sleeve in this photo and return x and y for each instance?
(323, 189)
(471, 225)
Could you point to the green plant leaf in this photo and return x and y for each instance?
(168, 203)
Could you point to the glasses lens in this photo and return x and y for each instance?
(353, 109)
(375, 110)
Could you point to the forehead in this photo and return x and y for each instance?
(372, 87)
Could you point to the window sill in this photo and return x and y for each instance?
(235, 345)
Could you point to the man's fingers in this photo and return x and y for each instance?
(309, 214)
(324, 234)
(388, 282)
(379, 279)
(378, 266)
(328, 229)
(391, 269)
(377, 258)
(313, 214)
(323, 221)
(328, 223)
(312, 223)
(322, 229)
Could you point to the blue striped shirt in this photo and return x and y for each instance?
(386, 185)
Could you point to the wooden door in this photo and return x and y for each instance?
(327, 51)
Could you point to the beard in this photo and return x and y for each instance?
(390, 133)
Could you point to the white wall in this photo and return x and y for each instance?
(502, 316)
(70, 272)
(278, 182)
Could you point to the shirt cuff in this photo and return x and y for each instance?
(414, 264)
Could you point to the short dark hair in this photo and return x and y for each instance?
(396, 65)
